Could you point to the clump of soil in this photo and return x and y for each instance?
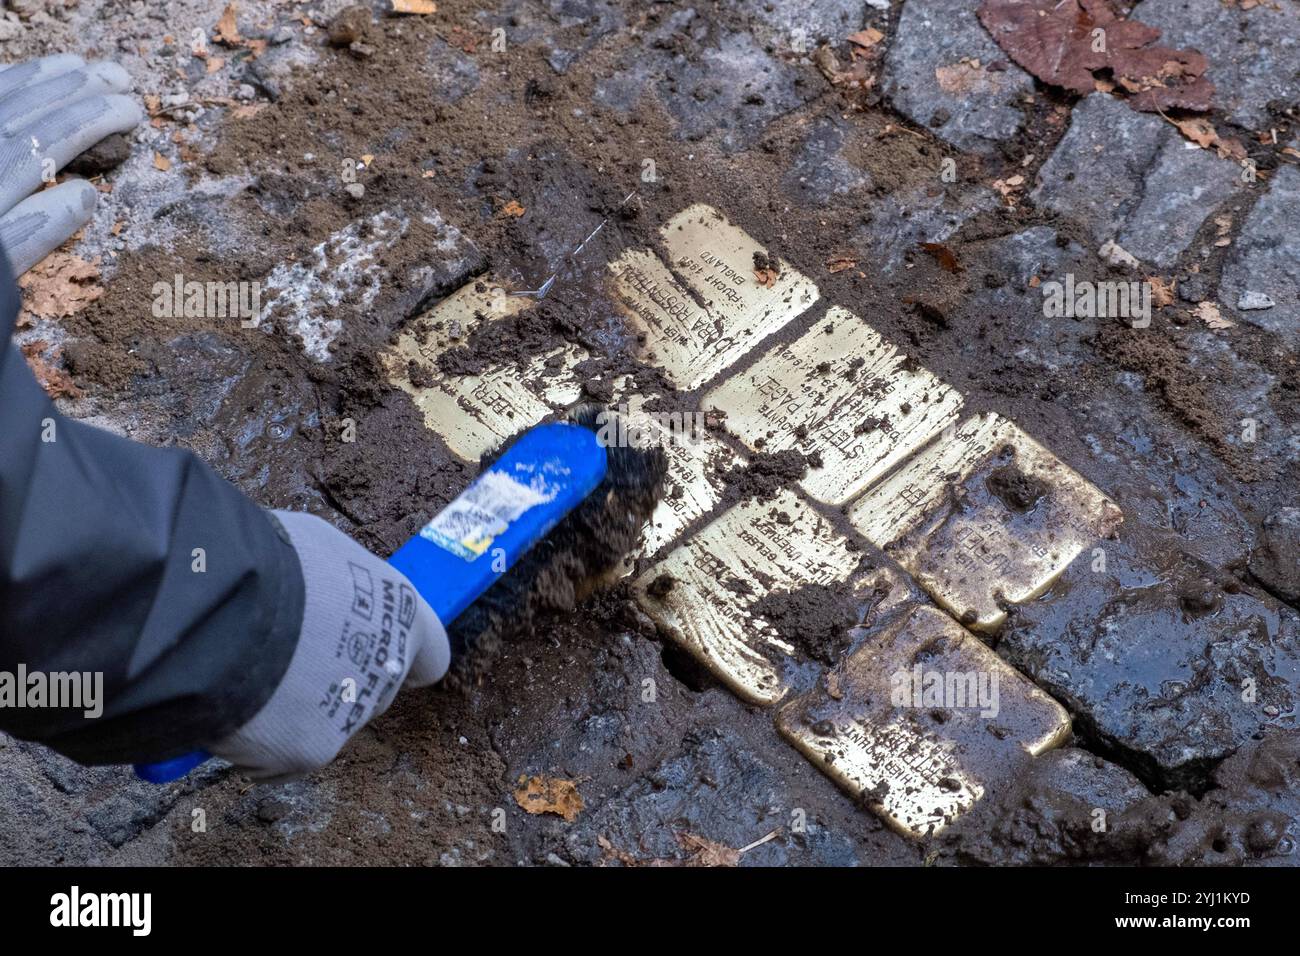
(1015, 489)
(817, 618)
(767, 473)
(661, 586)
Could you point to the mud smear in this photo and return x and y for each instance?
(1072, 807)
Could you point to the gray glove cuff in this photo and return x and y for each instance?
(365, 631)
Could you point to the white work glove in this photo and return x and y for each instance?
(51, 111)
(365, 634)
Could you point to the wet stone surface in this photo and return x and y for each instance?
(1162, 659)
(1130, 177)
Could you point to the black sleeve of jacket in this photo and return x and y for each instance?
(97, 574)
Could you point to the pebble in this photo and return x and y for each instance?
(1250, 301)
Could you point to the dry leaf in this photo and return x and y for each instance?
(549, 795)
(1203, 134)
(1162, 291)
(512, 208)
(414, 6)
(161, 162)
(227, 28)
(1199, 131)
(942, 255)
(1053, 40)
(248, 110)
(60, 285)
(1009, 187)
(1112, 252)
(56, 382)
(833, 686)
(858, 77)
(766, 277)
(708, 853)
(840, 263)
(1209, 313)
(215, 63)
(866, 38)
(367, 159)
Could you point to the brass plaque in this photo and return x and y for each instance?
(921, 721)
(474, 413)
(720, 263)
(844, 392)
(983, 518)
(696, 463)
(702, 592)
(718, 311)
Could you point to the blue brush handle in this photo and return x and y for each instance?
(457, 556)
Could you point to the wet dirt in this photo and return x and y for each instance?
(421, 784)
(1073, 808)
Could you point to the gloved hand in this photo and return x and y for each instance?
(365, 633)
(51, 111)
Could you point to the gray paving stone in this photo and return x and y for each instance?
(1144, 462)
(1008, 265)
(928, 214)
(1275, 559)
(1161, 659)
(786, 25)
(453, 74)
(1130, 177)
(719, 790)
(567, 29)
(933, 34)
(727, 90)
(1245, 394)
(1265, 258)
(820, 172)
(1254, 54)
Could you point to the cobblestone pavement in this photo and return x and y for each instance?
(849, 223)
